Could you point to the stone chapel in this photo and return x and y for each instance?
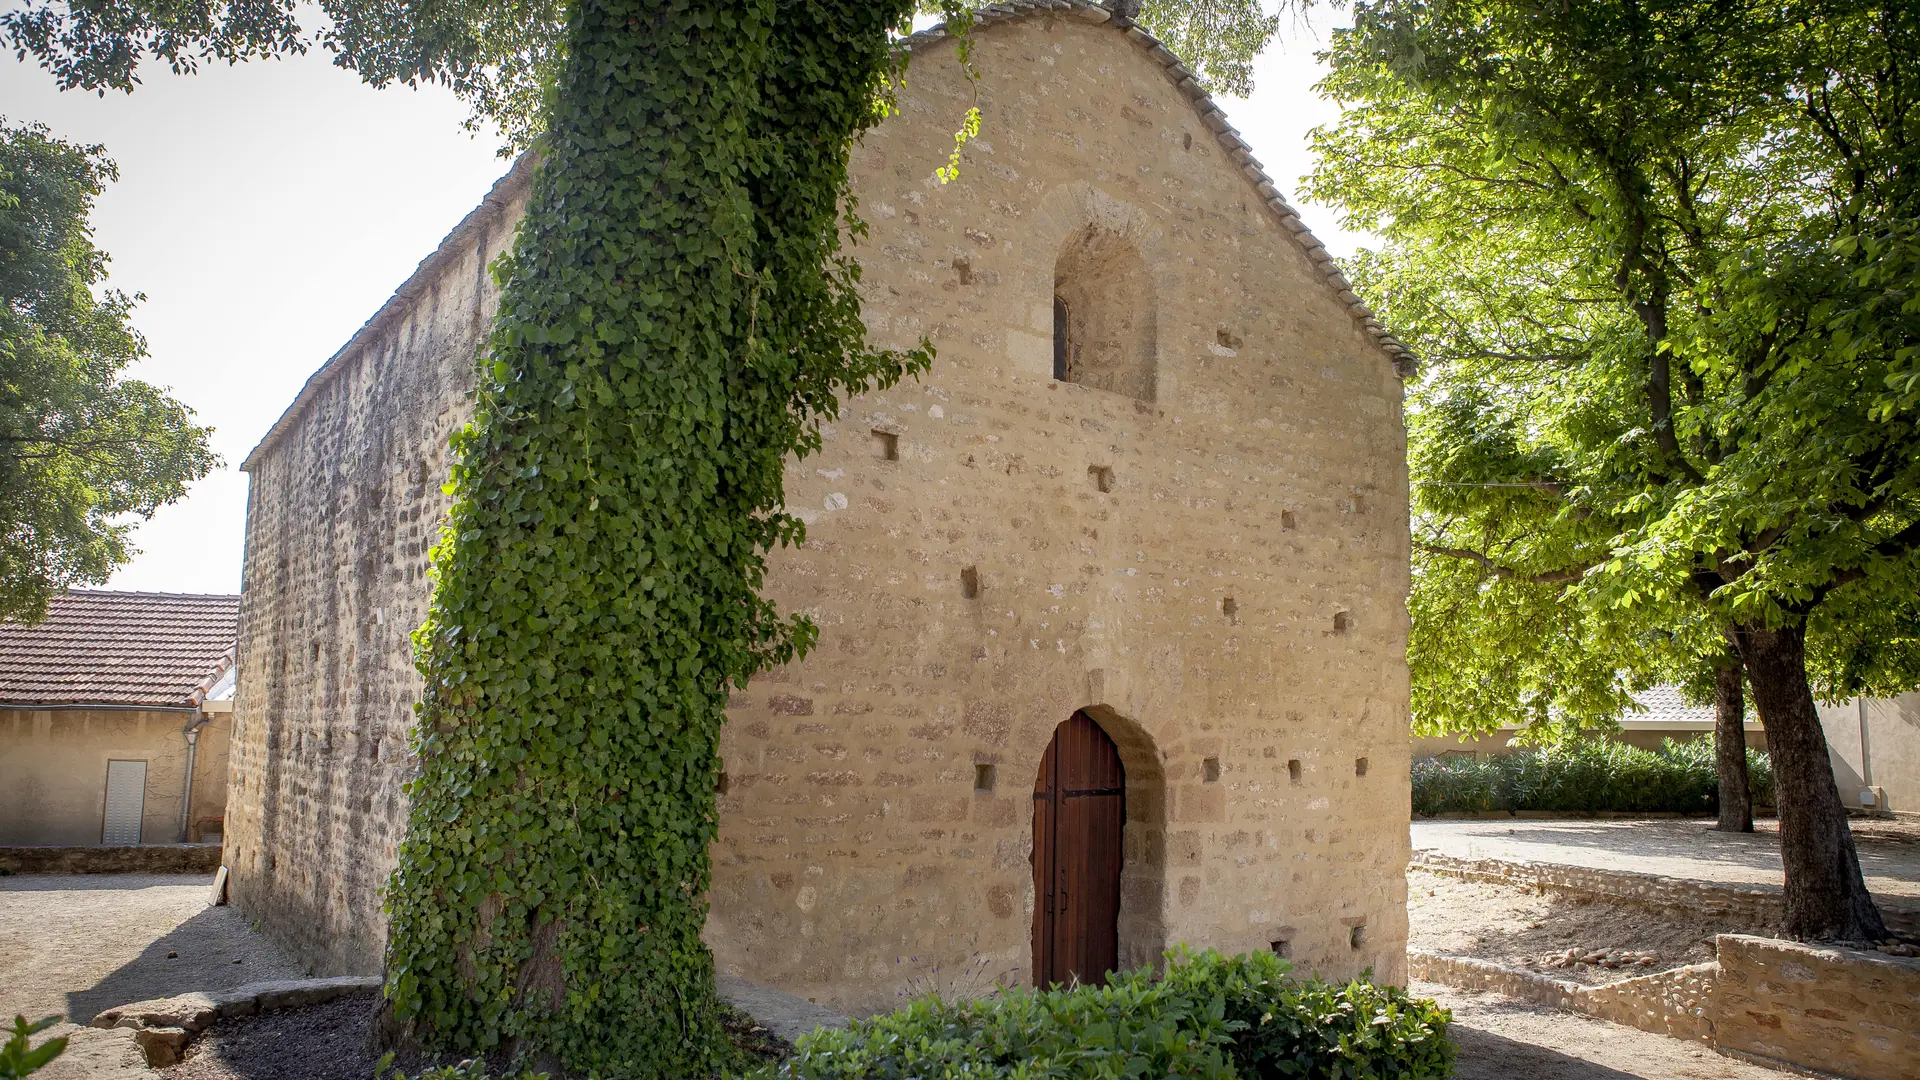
(1111, 601)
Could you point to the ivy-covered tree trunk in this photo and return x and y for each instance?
(1826, 897)
(1730, 746)
(674, 320)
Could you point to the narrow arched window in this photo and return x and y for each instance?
(1062, 339)
(1104, 326)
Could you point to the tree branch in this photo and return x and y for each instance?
(1551, 577)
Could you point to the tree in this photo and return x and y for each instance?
(1661, 257)
(82, 450)
(676, 318)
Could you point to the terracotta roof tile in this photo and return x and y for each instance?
(119, 648)
(1665, 705)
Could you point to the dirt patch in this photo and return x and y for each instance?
(329, 1041)
(333, 1041)
(1584, 941)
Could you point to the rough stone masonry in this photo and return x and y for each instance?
(1199, 537)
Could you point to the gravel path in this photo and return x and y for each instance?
(1500, 1039)
(1686, 848)
(71, 945)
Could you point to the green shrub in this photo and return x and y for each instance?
(1209, 1016)
(18, 1057)
(1284, 1027)
(1583, 776)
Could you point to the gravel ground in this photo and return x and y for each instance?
(1684, 848)
(1500, 1039)
(71, 945)
(1526, 929)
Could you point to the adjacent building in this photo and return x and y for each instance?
(115, 717)
(1662, 713)
(1875, 747)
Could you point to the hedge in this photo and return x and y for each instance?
(1207, 1016)
(1584, 776)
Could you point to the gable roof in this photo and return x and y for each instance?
(1215, 118)
(518, 178)
(119, 649)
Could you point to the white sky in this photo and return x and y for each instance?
(266, 211)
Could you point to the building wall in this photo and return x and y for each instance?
(53, 772)
(1891, 764)
(1231, 608)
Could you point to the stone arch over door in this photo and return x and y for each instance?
(1136, 917)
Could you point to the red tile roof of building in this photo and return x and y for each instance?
(1666, 705)
(126, 649)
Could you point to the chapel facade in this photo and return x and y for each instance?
(1111, 601)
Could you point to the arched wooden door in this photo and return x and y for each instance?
(1079, 812)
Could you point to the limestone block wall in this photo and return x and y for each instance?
(1212, 561)
(1841, 1011)
(345, 502)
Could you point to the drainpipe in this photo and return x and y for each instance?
(192, 732)
(1866, 753)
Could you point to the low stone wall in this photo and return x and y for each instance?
(1674, 1002)
(1468, 973)
(1761, 908)
(1755, 906)
(140, 859)
(1838, 1010)
(1677, 1002)
(1835, 1011)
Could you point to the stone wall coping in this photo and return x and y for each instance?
(519, 178)
(1830, 953)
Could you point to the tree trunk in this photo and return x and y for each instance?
(1730, 747)
(1826, 898)
(676, 315)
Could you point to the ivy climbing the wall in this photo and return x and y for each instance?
(676, 318)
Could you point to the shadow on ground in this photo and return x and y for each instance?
(1486, 1056)
(213, 950)
(1888, 855)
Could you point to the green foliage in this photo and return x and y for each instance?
(1209, 1016)
(1658, 256)
(502, 57)
(1585, 776)
(470, 1069)
(18, 1057)
(1284, 1028)
(82, 449)
(676, 320)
